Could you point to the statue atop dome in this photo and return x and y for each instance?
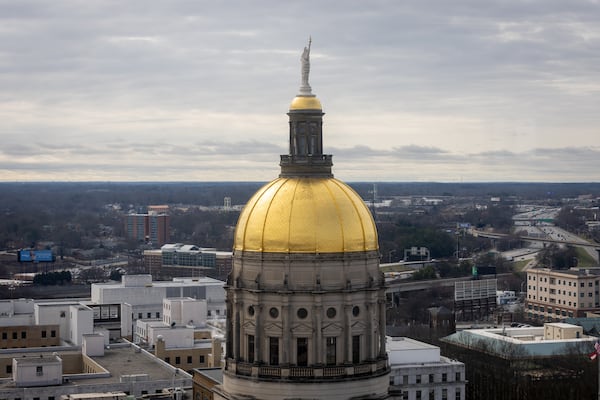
(305, 89)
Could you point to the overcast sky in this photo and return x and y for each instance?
(462, 90)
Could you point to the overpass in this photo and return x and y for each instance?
(492, 235)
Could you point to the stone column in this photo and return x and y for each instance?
(371, 312)
(229, 330)
(286, 333)
(318, 335)
(382, 326)
(258, 337)
(348, 333)
(236, 334)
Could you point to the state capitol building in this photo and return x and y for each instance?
(305, 298)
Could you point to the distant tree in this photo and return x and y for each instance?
(451, 270)
(425, 273)
(115, 275)
(52, 278)
(493, 260)
(571, 219)
(555, 257)
(93, 274)
(496, 216)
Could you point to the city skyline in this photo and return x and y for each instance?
(198, 91)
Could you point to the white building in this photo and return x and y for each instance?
(141, 298)
(548, 340)
(184, 311)
(37, 371)
(16, 312)
(74, 319)
(419, 371)
(505, 297)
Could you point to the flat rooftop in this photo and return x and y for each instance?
(529, 341)
(127, 361)
(404, 343)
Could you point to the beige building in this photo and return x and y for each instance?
(305, 298)
(205, 354)
(29, 336)
(554, 295)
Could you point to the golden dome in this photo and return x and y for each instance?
(305, 103)
(305, 215)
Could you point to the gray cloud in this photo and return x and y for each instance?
(444, 89)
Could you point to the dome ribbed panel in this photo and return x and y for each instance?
(306, 215)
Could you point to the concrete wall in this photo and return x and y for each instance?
(82, 322)
(55, 313)
(184, 311)
(37, 371)
(179, 337)
(93, 345)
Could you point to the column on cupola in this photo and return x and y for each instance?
(258, 334)
(382, 327)
(285, 317)
(372, 311)
(318, 333)
(348, 333)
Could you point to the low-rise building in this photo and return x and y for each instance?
(526, 362)
(50, 374)
(29, 323)
(142, 298)
(178, 258)
(554, 295)
(419, 371)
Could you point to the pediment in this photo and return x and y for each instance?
(302, 329)
(249, 325)
(273, 328)
(358, 326)
(332, 329)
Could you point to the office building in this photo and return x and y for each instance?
(555, 295)
(419, 371)
(151, 227)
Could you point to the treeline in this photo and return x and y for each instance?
(53, 278)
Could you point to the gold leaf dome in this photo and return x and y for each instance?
(305, 103)
(305, 215)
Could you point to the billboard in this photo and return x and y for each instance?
(477, 270)
(29, 255)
